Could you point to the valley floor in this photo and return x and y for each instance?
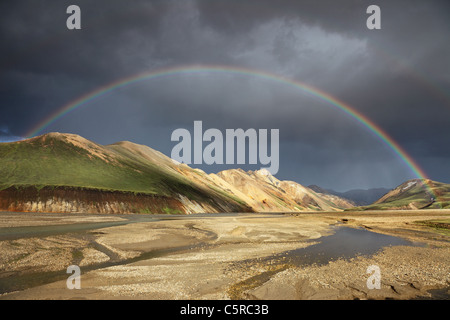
(226, 256)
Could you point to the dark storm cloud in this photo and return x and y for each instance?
(398, 76)
(6, 136)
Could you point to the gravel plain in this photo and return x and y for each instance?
(240, 256)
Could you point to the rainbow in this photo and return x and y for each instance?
(333, 101)
(356, 115)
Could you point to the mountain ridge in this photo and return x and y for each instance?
(359, 197)
(69, 164)
(59, 172)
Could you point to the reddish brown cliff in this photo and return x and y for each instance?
(69, 199)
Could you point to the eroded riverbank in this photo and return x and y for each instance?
(236, 256)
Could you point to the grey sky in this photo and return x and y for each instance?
(398, 76)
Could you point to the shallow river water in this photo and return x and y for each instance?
(345, 242)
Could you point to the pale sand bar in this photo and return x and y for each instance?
(224, 257)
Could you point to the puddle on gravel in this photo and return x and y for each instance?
(345, 243)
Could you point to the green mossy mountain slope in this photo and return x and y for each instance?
(66, 160)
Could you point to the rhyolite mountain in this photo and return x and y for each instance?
(67, 173)
(414, 194)
(263, 192)
(59, 172)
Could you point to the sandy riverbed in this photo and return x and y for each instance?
(222, 257)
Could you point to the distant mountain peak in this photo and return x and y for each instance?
(360, 197)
